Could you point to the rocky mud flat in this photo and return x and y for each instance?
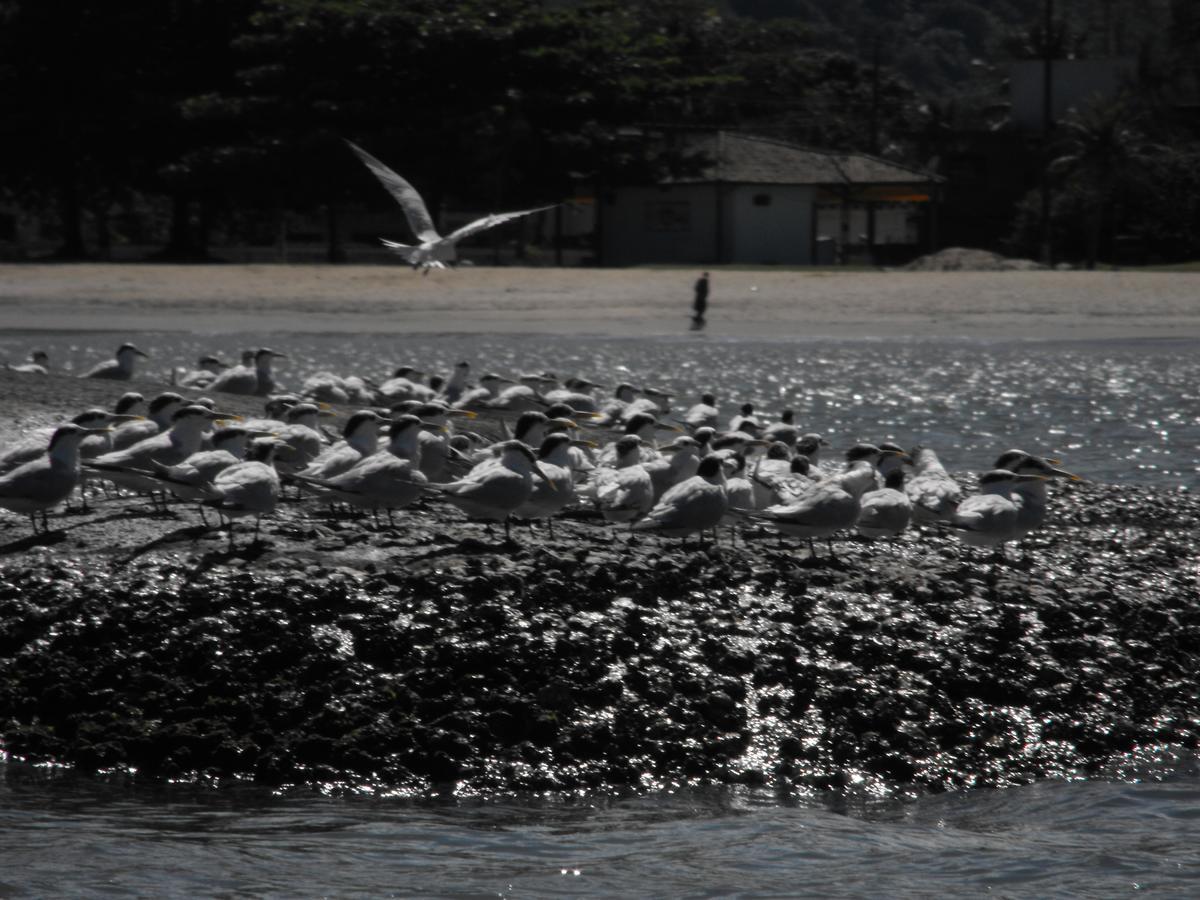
(432, 655)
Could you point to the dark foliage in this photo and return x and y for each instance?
(197, 120)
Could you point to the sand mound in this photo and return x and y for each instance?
(965, 259)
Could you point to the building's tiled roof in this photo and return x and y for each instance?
(744, 159)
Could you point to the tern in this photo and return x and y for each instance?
(624, 491)
(326, 387)
(456, 385)
(39, 364)
(34, 445)
(131, 467)
(694, 505)
(436, 454)
(745, 422)
(207, 369)
(494, 492)
(249, 488)
(46, 481)
(489, 388)
(300, 436)
(158, 418)
(784, 430)
(933, 493)
(405, 384)
(830, 505)
(684, 461)
(886, 511)
(613, 410)
(576, 393)
(433, 251)
(120, 368)
(989, 518)
(550, 496)
(653, 402)
(516, 398)
(768, 469)
(360, 439)
(1030, 496)
(192, 480)
(738, 488)
(388, 479)
(249, 380)
(703, 413)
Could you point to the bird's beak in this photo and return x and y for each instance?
(567, 423)
(232, 417)
(904, 457)
(126, 417)
(326, 413)
(141, 353)
(540, 472)
(1031, 477)
(591, 445)
(434, 426)
(1070, 476)
(663, 426)
(462, 413)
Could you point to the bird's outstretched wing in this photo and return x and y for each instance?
(404, 251)
(491, 221)
(406, 195)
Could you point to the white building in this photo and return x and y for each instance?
(758, 201)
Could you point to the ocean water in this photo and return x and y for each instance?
(68, 837)
(1114, 411)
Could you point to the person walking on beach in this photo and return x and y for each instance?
(700, 303)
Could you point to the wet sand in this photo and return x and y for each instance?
(618, 302)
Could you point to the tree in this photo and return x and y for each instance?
(1102, 152)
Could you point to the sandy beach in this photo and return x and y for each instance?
(617, 302)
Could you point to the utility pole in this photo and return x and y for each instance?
(1047, 125)
(874, 148)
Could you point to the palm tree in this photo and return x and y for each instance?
(1102, 152)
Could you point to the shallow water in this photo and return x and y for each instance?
(1114, 411)
(1084, 839)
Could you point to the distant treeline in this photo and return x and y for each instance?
(190, 122)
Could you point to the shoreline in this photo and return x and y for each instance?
(602, 302)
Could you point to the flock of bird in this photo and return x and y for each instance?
(526, 448)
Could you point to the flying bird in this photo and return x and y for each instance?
(433, 251)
